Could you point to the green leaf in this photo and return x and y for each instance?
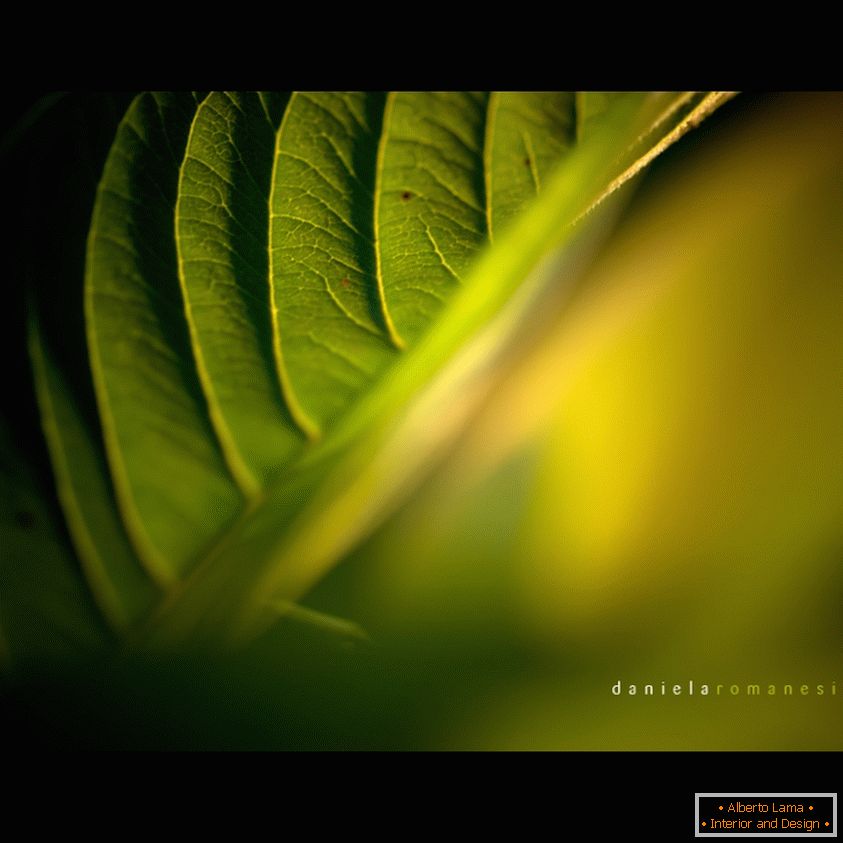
(527, 135)
(332, 330)
(356, 234)
(120, 586)
(172, 484)
(337, 490)
(45, 612)
(292, 303)
(222, 231)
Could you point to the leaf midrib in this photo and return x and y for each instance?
(488, 145)
(706, 106)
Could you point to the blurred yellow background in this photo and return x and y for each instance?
(655, 490)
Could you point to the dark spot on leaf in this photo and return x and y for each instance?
(26, 520)
(346, 283)
(406, 195)
(526, 162)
